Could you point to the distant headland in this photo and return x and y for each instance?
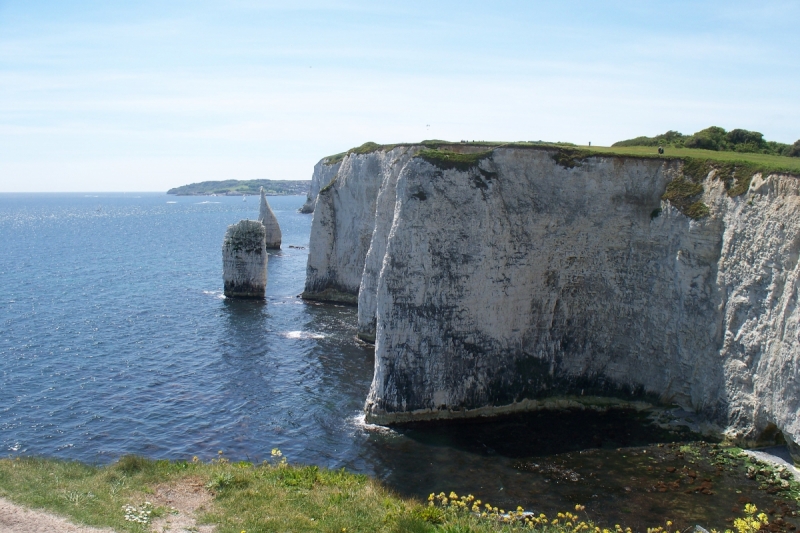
(243, 187)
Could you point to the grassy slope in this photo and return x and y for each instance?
(789, 164)
(267, 497)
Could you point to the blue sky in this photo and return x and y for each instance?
(144, 96)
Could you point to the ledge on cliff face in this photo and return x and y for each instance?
(493, 276)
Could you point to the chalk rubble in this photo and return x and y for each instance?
(244, 260)
(271, 226)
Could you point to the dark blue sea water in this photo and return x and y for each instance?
(115, 338)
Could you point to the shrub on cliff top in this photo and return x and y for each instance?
(446, 159)
(716, 139)
(366, 148)
(571, 157)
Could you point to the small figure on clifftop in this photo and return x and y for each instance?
(267, 218)
(660, 149)
(244, 260)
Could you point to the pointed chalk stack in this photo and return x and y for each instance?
(267, 217)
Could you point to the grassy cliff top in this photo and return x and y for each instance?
(735, 168)
(447, 150)
(779, 163)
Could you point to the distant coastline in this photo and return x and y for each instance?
(243, 187)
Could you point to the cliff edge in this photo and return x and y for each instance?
(493, 278)
(324, 172)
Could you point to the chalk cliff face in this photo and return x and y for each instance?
(272, 229)
(324, 172)
(490, 286)
(244, 260)
(344, 223)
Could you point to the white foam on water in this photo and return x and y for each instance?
(303, 335)
(207, 202)
(172, 202)
(215, 294)
(360, 421)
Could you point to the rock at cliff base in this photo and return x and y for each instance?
(244, 260)
(271, 226)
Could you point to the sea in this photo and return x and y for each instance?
(116, 338)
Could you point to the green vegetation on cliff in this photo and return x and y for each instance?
(447, 159)
(735, 156)
(717, 139)
(243, 187)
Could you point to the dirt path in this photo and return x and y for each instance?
(16, 519)
(184, 501)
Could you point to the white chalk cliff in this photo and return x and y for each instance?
(491, 283)
(271, 227)
(344, 223)
(324, 172)
(244, 260)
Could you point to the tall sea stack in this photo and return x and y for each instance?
(267, 218)
(244, 260)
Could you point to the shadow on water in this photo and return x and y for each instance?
(623, 468)
(546, 433)
(244, 314)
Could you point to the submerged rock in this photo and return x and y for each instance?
(244, 260)
(271, 226)
(491, 283)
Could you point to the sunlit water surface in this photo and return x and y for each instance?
(115, 338)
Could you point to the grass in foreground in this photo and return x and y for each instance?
(273, 496)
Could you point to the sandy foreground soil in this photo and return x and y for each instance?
(16, 519)
(184, 500)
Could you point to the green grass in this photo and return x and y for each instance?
(277, 496)
(272, 496)
(772, 163)
(446, 159)
(335, 158)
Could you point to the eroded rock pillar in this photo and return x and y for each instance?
(244, 260)
(267, 218)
